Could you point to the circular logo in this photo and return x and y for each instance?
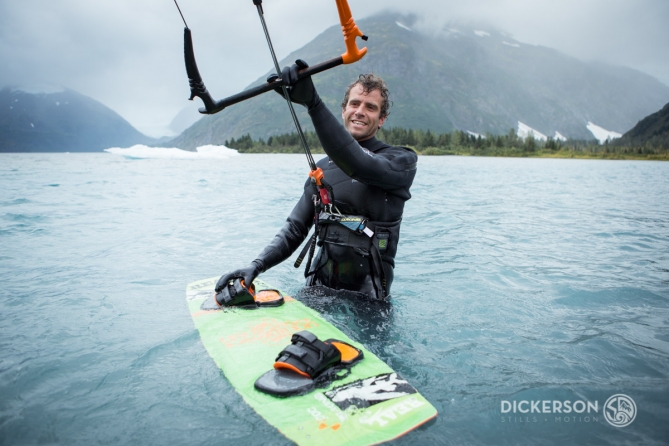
(620, 410)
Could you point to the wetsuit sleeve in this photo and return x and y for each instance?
(392, 169)
(291, 235)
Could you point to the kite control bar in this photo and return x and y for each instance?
(211, 106)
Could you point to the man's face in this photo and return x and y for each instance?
(362, 113)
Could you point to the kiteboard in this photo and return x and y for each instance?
(370, 404)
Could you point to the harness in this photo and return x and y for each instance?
(365, 237)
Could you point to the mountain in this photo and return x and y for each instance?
(185, 118)
(653, 130)
(459, 78)
(55, 119)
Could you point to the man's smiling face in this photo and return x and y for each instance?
(362, 113)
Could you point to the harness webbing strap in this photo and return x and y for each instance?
(300, 258)
(379, 278)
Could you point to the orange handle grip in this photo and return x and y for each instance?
(317, 175)
(351, 31)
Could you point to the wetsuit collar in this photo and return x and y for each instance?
(372, 144)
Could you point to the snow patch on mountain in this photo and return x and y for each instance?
(515, 45)
(482, 33)
(602, 134)
(559, 136)
(476, 135)
(525, 131)
(39, 89)
(403, 26)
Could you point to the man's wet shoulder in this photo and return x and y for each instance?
(404, 157)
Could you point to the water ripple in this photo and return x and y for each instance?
(515, 279)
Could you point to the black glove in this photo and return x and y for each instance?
(248, 274)
(301, 91)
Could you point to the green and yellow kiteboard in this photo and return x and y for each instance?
(368, 403)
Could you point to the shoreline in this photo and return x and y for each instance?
(518, 153)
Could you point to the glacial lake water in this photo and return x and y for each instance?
(516, 280)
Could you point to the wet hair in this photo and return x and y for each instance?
(369, 83)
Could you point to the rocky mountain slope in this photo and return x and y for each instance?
(651, 131)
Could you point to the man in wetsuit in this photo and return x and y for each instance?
(369, 178)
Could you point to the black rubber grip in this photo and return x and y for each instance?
(264, 88)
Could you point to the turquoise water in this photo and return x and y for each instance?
(517, 279)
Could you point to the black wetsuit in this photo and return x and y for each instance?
(370, 179)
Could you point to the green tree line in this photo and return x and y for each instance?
(426, 142)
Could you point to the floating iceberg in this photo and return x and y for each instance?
(140, 151)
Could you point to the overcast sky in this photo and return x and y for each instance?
(128, 54)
